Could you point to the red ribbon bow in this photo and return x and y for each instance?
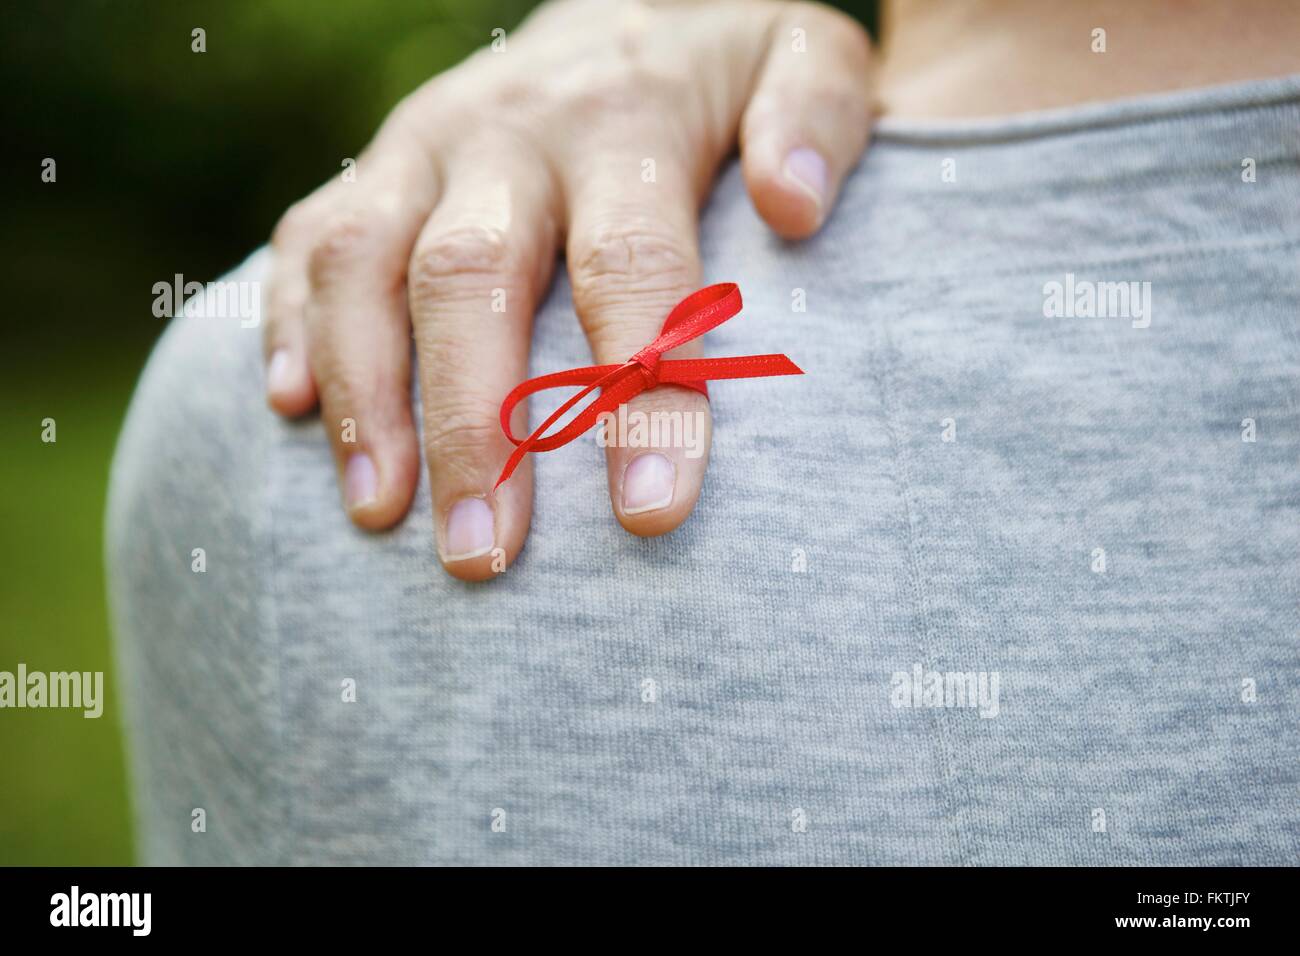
(692, 317)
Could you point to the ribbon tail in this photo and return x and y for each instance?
(512, 463)
(613, 392)
(682, 371)
(525, 446)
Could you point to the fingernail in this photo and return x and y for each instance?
(469, 530)
(277, 371)
(647, 484)
(807, 170)
(360, 481)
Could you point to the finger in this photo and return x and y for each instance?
(358, 332)
(479, 266)
(632, 256)
(809, 118)
(289, 386)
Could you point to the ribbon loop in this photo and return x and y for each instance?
(696, 314)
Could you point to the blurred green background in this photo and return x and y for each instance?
(167, 161)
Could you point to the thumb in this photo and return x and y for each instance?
(808, 120)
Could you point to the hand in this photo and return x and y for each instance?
(458, 208)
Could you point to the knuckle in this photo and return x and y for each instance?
(466, 251)
(375, 402)
(518, 97)
(628, 89)
(292, 225)
(460, 431)
(334, 382)
(339, 405)
(444, 345)
(616, 260)
(283, 302)
(345, 240)
(607, 96)
(346, 382)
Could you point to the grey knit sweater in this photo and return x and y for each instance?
(1010, 576)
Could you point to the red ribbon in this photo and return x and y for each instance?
(692, 317)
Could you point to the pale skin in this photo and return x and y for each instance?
(478, 179)
(962, 59)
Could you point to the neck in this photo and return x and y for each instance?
(968, 58)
